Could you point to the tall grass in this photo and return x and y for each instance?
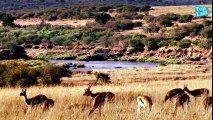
(70, 104)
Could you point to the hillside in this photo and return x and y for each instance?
(7, 5)
(169, 34)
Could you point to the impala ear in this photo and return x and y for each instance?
(25, 90)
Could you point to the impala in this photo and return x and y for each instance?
(207, 103)
(197, 92)
(37, 100)
(49, 103)
(173, 94)
(143, 102)
(181, 100)
(98, 98)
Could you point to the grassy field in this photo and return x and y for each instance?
(70, 104)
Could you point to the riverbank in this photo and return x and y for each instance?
(170, 73)
(172, 55)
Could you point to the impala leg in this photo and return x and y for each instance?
(138, 111)
(99, 110)
(91, 111)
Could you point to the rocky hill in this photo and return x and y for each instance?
(7, 5)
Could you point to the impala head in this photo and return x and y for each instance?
(185, 87)
(23, 92)
(88, 92)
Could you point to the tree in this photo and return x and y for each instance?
(7, 19)
(102, 18)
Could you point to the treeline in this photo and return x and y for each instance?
(76, 12)
(20, 74)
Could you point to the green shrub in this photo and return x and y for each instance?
(184, 43)
(103, 77)
(172, 16)
(125, 25)
(152, 43)
(102, 18)
(17, 74)
(144, 8)
(166, 23)
(206, 44)
(172, 61)
(7, 19)
(81, 58)
(206, 32)
(149, 18)
(79, 65)
(207, 22)
(185, 18)
(152, 29)
(194, 59)
(135, 43)
(137, 24)
(50, 75)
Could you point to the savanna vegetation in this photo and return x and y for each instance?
(126, 84)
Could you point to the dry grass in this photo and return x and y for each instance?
(69, 22)
(158, 10)
(69, 102)
(137, 75)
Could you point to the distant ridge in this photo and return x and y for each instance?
(8, 5)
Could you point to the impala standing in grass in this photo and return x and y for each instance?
(37, 100)
(197, 92)
(143, 102)
(173, 94)
(98, 98)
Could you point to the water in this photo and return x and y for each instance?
(91, 65)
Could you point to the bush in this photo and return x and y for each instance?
(185, 18)
(144, 8)
(7, 19)
(102, 18)
(152, 43)
(172, 16)
(103, 77)
(206, 44)
(136, 43)
(206, 32)
(22, 75)
(137, 24)
(152, 29)
(50, 75)
(207, 22)
(149, 18)
(184, 43)
(125, 25)
(79, 65)
(17, 74)
(166, 23)
(81, 58)
(194, 59)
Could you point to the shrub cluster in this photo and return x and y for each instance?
(7, 19)
(103, 77)
(19, 74)
(152, 29)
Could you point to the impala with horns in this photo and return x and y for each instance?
(197, 92)
(99, 98)
(36, 100)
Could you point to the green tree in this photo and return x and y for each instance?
(102, 18)
(7, 19)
